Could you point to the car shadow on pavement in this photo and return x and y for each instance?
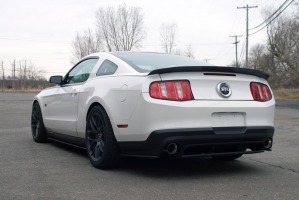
(191, 167)
(173, 168)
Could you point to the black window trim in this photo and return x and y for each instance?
(101, 67)
(80, 61)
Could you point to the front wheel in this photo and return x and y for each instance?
(37, 124)
(101, 145)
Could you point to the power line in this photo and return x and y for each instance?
(272, 19)
(242, 50)
(278, 9)
(222, 51)
(236, 43)
(194, 44)
(206, 60)
(247, 36)
(69, 43)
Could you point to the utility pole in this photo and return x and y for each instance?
(14, 68)
(236, 43)
(3, 77)
(25, 75)
(25, 70)
(20, 75)
(247, 29)
(206, 60)
(13, 74)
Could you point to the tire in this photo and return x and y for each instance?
(228, 157)
(38, 130)
(101, 145)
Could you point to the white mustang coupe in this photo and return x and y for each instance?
(155, 105)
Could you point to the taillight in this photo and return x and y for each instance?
(260, 92)
(171, 90)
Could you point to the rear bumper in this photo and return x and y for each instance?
(202, 142)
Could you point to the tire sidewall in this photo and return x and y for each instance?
(41, 134)
(108, 133)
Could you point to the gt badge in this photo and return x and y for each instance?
(223, 89)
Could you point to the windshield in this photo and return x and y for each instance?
(146, 62)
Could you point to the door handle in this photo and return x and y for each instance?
(74, 92)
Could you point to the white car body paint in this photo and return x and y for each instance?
(125, 97)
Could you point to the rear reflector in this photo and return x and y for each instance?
(122, 125)
(171, 90)
(260, 92)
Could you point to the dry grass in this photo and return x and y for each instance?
(32, 90)
(286, 94)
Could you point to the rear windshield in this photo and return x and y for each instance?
(146, 62)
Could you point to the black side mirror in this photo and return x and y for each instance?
(56, 79)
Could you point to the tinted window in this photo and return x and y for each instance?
(146, 62)
(107, 68)
(81, 71)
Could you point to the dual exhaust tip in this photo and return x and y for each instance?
(268, 143)
(172, 148)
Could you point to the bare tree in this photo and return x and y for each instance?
(176, 52)
(255, 55)
(280, 56)
(189, 51)
(168, 33)
(24, 75)
(283, 44)
(121, 29)
(85, 44)
(23, 69)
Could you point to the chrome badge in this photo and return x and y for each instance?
(223, 89)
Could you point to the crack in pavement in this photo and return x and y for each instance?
(277, 166)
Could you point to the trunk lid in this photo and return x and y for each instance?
(217, 84)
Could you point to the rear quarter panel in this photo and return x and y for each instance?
(117, 94)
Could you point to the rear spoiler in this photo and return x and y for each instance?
(253, 72)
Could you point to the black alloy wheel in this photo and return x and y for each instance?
(37, 125)
(101, 144)
(95, 137)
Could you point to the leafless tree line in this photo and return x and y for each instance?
(86, 44)
(21, 75)
(280, 55)
(122, 29)
(117, 29)
(168, 35)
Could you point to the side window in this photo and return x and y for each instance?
(107, 68)
(80, 72)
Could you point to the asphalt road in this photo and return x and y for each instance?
(52, 171)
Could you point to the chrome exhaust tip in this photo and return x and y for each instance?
(268, 144)
(172, 148)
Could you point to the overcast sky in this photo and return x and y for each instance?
(42, 30)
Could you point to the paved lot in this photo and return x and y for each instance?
(52, 171)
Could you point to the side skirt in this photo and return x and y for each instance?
(68, 140)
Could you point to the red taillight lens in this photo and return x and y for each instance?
(171, 90)
(260, 92)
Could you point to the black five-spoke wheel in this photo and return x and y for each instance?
(37, 125)
(101, 144)
(95, 137)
